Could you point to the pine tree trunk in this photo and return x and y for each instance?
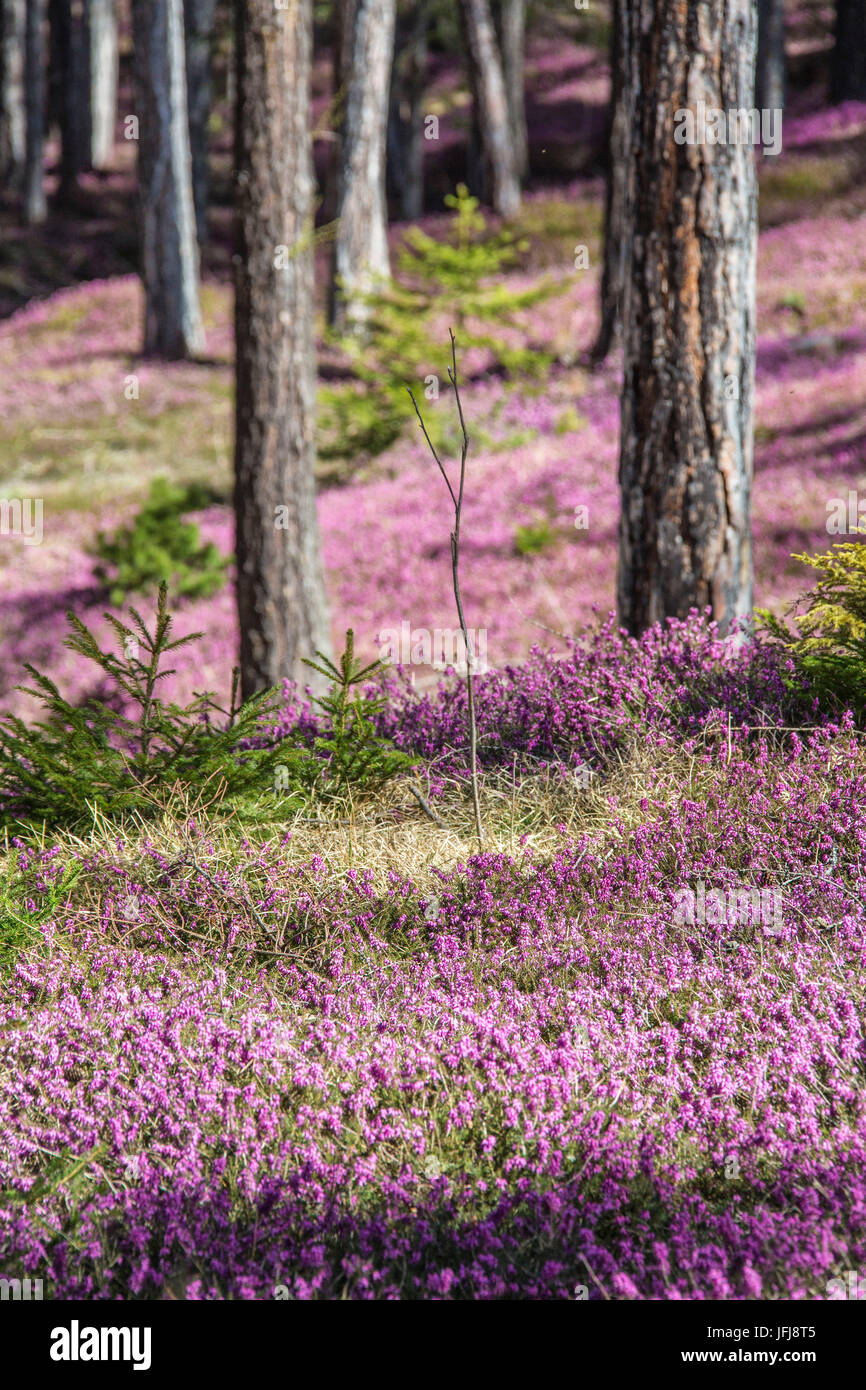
(13, 117)
(199, 18)
(34, 205)
(70, 91)
(488, 86)
(172, 318)
(770, 71)
(405, 120)
(848, 68)
(343, 28)
(616, 242)
(102, 56)
(511, 29)
(361, 246)
(689, 321)
(280, 586)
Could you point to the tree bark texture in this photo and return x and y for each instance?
(199, 18)
(488, 85)
(170, 267)
(280, 586)
(689, 320)
(13, 116)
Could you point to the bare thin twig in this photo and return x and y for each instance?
(455, 567)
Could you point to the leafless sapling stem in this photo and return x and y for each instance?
(455, 568)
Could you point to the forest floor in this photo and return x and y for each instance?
(348, 1054)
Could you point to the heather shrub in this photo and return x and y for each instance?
(829, 649)
(160, 546)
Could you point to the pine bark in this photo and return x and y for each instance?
(511, 30)
(13, 117)
(848, 66)
(199, 18)
(34, 205)
(405, 119)
(170, 268)
(280, 586)
(689, 321)
(361, 245)
(103, 63)
(770, 70)
(616, 241)
(491, 104)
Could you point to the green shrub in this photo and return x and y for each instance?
(460, 279)
(357, 756)
(80, 760)
(830, 647)
(159, 546)
(533, 538)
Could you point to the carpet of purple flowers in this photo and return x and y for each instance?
(232, 1070)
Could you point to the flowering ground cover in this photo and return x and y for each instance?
(347, 1054)
(231, 1065)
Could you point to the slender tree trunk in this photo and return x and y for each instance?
(361, 246)
(199, 18)
(689, 320)
(770, 71)
(172, 317)
(488, 86)
(616, 241)
(70, 91)
(511, 33)
(405, 121)
(848, 67)
(102, 59)
(343, 29)
(13, 117)
(34, 206)
(280, 586)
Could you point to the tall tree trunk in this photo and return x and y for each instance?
(616, 242)
(34, 206)
(689, 320)
(488, 86)
(361, 246)
(280, 587)
(70, 91)
(172, 317)
(198, 26)
(405, 120)
(13, 117)
(102, 57)
(343, 29)
(848, 67)
(511, 31)
(770, 70)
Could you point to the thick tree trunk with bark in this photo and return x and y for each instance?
(280, 587)
(511, 32)
(848, 68)
(361, 245)
(770, 70)
(170, 270)
(199, 18)
(616, 240)
(13, 117)
(102, 57)
(488, 85)
(34, 206)
(405, 120)
(689, 320)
